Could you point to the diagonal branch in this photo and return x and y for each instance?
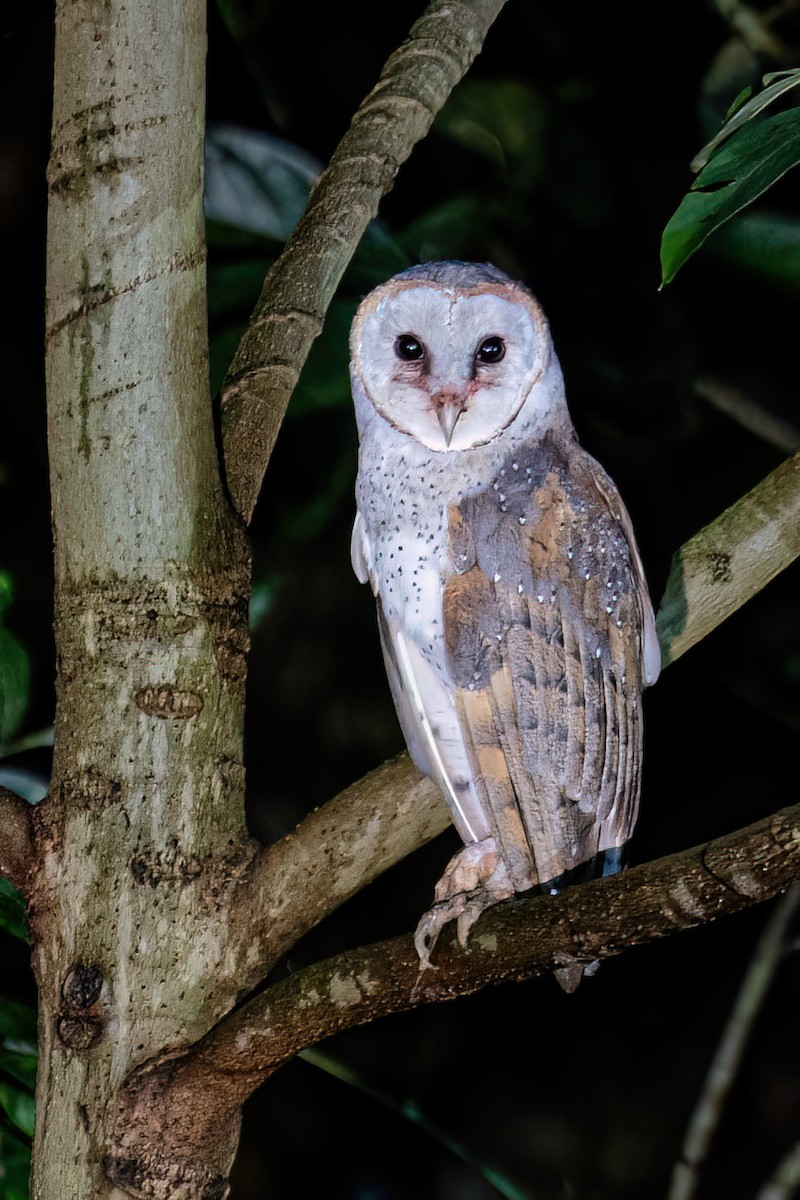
(733, 558)
(398, 112)
(516, 940)
(16, 839)
(333, 854)
(392, 811)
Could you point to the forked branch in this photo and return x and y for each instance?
(514, 941)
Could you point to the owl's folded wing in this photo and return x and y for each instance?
(550, 638)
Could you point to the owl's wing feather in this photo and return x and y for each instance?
(546, 627)
(424, 706)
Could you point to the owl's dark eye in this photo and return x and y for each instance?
(409, 348)
(491, 350)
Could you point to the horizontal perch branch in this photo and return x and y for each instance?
(398, 112)
(516, 940)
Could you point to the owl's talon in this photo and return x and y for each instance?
(475, 879)
(425, 938)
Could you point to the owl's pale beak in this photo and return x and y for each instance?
(448, 415)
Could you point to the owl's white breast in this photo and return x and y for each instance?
(403, 494)
(404, 491)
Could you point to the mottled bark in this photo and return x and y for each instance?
(397, 113)
(142, 838)
(513, 941)
(16, 844)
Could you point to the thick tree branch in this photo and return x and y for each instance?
(414, 84)
(16, 839)
(728, 562)
(516, 940)
(334, 853)
(392, 811)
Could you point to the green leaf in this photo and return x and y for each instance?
(742, 98)
(15, 1167)
(14, 684)
(743, 110)
(19, 1060)
(18, 1057)
(12, 911)
(234, 286)
(18, 1106)
(17, 1022)
(324, 380)
(6, 591)
(448, 230)
(501, 120)
(747, 165)
(256, 181)
(764, 245)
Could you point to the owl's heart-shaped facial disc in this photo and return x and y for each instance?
(451, 368)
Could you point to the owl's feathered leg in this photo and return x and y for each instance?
(474, 880)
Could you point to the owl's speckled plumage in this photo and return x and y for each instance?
(515, 622)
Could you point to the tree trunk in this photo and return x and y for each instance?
(142, 839)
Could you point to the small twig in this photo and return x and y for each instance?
(785, 1179)
(748, 414)
(398, 112)
(726, 1061)
(16, 839)
(753, 28)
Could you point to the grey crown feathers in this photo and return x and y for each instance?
(514, 617)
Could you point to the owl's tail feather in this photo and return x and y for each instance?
(607, 862)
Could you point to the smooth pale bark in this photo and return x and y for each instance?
(141, 840)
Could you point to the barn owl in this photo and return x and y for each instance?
(515, 622)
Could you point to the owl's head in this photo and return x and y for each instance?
(451, 353)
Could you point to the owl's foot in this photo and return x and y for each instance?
(474, 880)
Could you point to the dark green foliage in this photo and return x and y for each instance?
(14, 668)
(746, 158)
(17, 1079)
(12, 912)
